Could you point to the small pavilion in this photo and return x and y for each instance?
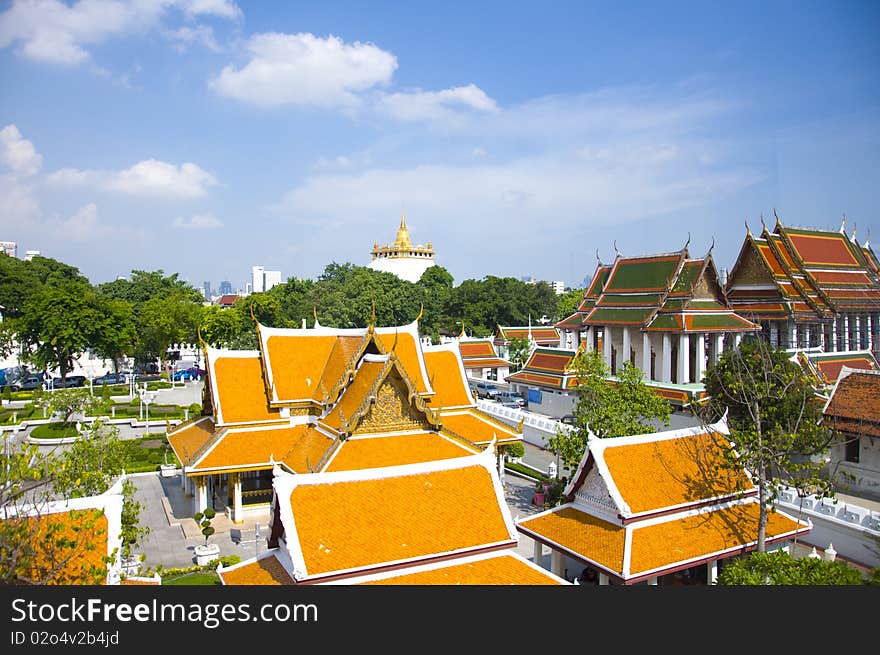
(657, 509)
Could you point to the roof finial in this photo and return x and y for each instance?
(199, 335)
(686, 243)
(843, 225)
(315, 314)
(462, 331)
(868, 239)
(853, 237)
(615, 248)
(421, 311)
(373, 317)
(763, 224)
(253, 318)
(778, 222)
(712, 246)
(748, 229)
(598, 259)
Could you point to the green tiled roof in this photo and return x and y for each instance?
(706, 304)
(600, 316)
(716, 321)
(687, 277)
(629, 299)
(666, 322)
(647, 273)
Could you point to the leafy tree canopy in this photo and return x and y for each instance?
(780, 568)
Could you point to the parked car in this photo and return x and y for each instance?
(511, 399)
(187, 374)
(486, 390)
(110, 378)
(27, 383)
(69, 381)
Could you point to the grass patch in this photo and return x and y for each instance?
(525, 470)
(12, 415)
(54, 430)
(148, 453)
(198, 578)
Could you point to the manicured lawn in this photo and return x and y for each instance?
(147, 453)
(195, 578)
(56, 430)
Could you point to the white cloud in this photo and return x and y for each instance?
(19, 209)
(436, 105)
(148, 177)
(17, 153)
(197, 222)
(54, 32)
(305, 70)
(185, 37)
(81, 226)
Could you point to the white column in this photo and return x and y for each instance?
(869, 327)
(846, 331)
(807, 336)
(556, 563)
(712, 571)
(834, 343)
(626, 346)
(719, 347)
(646, 355)
(774, 334)
(737, 339)
(538, 555)
(858, 332)
(183, 480)
(684, 359)
(700, 367)
(603, 579)
(606, 345)
(237, 509)
(791, 335)
(501, 466)
(200, 494)
(666, 361)
(588, 339)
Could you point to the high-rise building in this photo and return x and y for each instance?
(271, 279)
(206, 286)
(225, 287)
(257, 279)
(9, 248)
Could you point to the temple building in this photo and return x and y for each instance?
(325, 400)
(480, 359)
(809, 288)
(666, 314)
(657, 509)
(437, 522)
(405, 260)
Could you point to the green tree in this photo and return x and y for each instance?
(222, 327)
(204, 520)
(519, 348)
(90, 464)
(58, 325)
(773, 412)
(603, 409)
(567, 303)
(114, 332)
(67, 402)
(780, 568)
(132, 530)
(166, 320)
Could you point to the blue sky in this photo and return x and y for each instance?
(205, 136)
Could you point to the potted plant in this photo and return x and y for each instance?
(207, 552)
(539, 494)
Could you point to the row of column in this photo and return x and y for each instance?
(845, 332)
(199, 490)
(708, 349)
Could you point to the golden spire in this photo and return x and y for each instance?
(421, 311)
(402, 242)
(373, 318)
(462, 330)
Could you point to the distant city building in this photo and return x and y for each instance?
(263, 280)
(225, 287)
(558, 286)
(30, 254)
(9, 248)
(271, 279)
(206, 287)
(405, 260)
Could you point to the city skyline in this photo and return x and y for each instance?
(204, 138)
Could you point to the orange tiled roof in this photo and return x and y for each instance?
(341, 357)
(478, 428)
(355, 393)
(481, 348)
(664, 473)
(187, 439)
(266, 570)
(240, 390)
(499, 569)
(363, 523)
(307, 451)
(691, 537)
(409, 353)
(357, 453)
(495, 362)
(600, 541)
(830, 367)
(854, 404)
(447, 379)
(296, 362)
(246, 447)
